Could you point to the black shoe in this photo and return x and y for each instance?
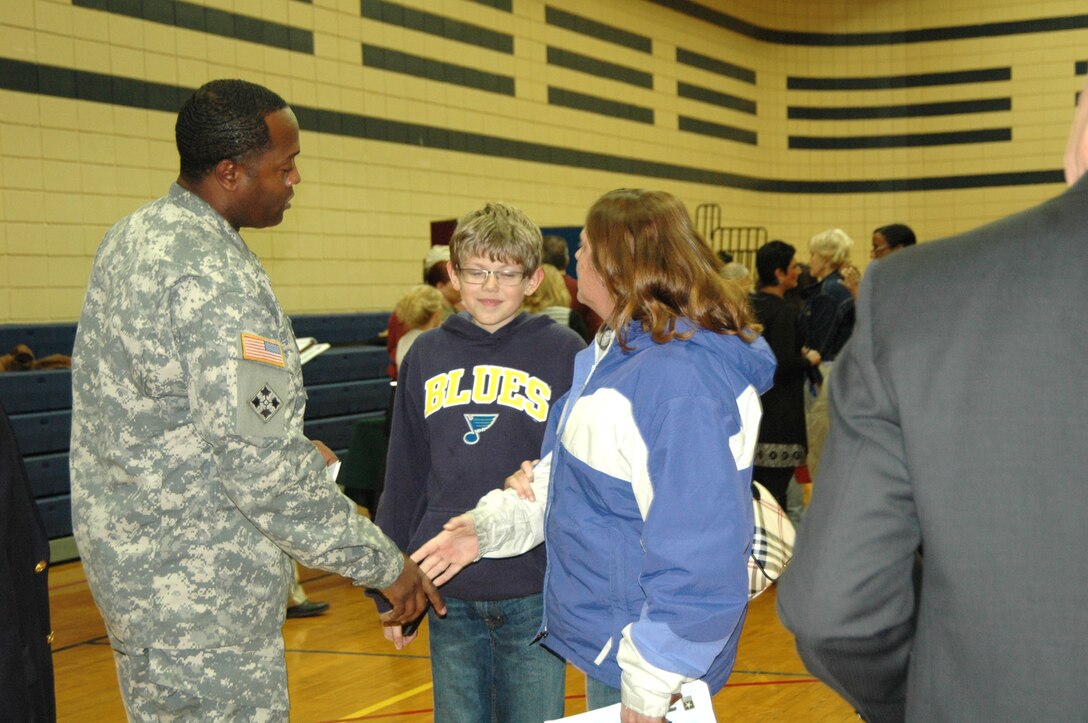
(307, 609)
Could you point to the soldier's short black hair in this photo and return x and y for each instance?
(223, 119)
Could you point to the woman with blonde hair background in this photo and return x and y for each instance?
(827, 321)
(645, 471)
(552, 299)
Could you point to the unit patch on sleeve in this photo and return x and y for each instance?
(265, 403)
(258, 349)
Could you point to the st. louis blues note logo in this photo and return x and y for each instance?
(478, 423)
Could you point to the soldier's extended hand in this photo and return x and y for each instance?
(409, 595)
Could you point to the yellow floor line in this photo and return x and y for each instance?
(389, 701)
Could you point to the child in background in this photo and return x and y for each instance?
(420, 309)
(472, 402)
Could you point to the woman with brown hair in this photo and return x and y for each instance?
(646, 471)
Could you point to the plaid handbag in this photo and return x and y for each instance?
(772, 545)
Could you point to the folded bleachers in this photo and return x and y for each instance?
(43, 339)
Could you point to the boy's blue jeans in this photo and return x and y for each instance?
(484, 668)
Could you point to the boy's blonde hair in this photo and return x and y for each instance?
(418, 306)
(499, 232)
(551, 292)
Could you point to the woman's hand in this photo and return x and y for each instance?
(851, 279)
(522, 480)
(447, 553)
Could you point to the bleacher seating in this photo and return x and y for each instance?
(43, 339)
(346, 386)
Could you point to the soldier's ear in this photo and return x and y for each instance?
(228, 174)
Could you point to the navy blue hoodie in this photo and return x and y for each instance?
(470, 407)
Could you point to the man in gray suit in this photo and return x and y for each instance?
(959, 430)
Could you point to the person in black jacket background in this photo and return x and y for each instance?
(26, 660)
(783, 441)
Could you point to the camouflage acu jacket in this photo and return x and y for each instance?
(191, 476)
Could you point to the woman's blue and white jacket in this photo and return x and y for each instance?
(648, 519)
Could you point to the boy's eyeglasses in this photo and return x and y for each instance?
(478, 277)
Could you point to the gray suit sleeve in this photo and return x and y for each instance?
(849, 594)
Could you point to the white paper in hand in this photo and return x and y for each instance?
(333, 470)
(694, 706)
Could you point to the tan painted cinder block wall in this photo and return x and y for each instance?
(359, 226)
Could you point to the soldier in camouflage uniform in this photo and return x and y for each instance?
(192, 481)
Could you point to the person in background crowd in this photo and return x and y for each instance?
(826, 322)
(557, 255)
(551, 299)
(193, 484)
(738, 273)
(957, 442)
(828, 316)
(783, 441)
(299, 604)
(646, 468)
(891, 238)
(422, 308)
(436, 275)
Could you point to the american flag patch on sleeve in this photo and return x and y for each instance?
(257, 348)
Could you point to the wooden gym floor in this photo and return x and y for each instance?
(340, 668)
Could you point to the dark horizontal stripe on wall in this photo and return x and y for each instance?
(600, 68)
(906, 140)
(393, 60)
(594, 29)
(85, 85)
(1081, 68)
(894, 37)
(922, 80)
(714, 65)
(601, 106)
(380, 129)
(706, 128)
(916, 110)
(208, 20)
(505, 5)
(444, 27)
(27, 77)
(723, 100)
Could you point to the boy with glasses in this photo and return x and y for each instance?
(472, 400)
